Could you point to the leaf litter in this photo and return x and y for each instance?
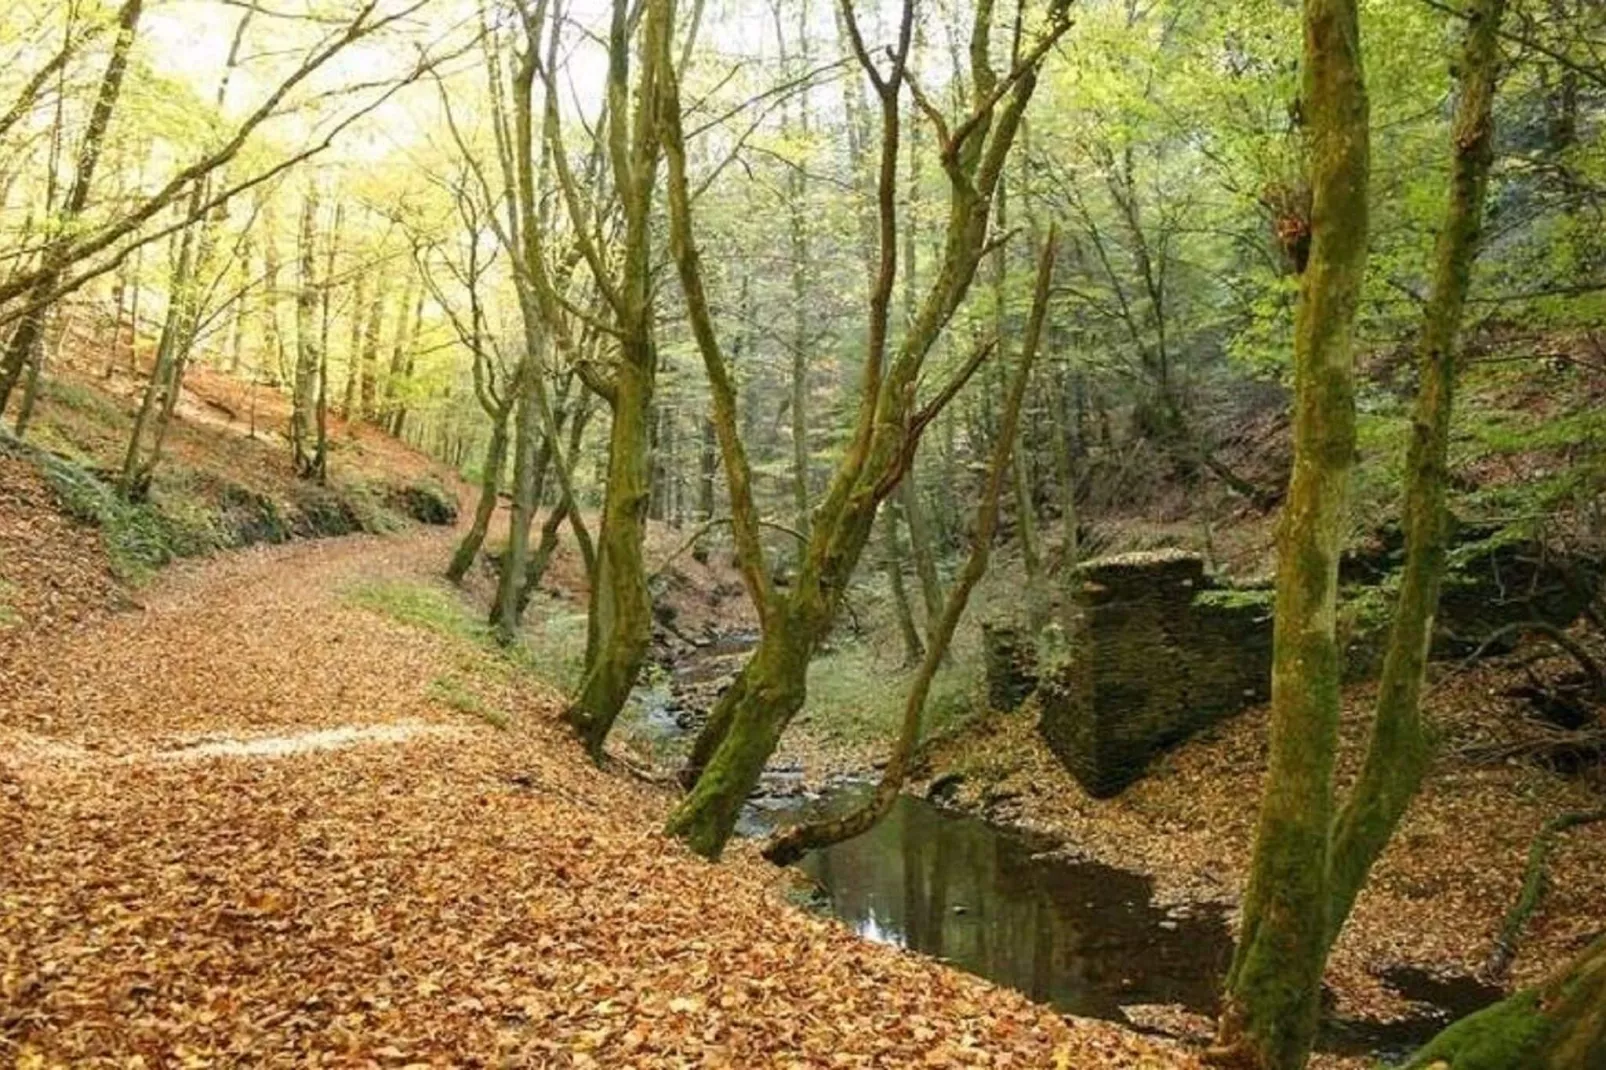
(427, 892)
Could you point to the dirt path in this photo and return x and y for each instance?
(236, 831)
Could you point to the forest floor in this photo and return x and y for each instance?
(1436, 899)
(245, 824)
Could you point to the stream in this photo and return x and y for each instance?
(1086, 938)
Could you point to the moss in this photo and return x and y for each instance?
(249, 518)
(1507, 1036)
(139, 537)
(1236, 598)
(319, 511)
(424, 500)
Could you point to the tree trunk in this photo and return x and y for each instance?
(567, 509)
(1026, 529)
(302, 397)
(1398, 751)
(409, 322)
(1273, 988)
(490, 491)
(619, 624)
(526, 437)
(360, 376)
(368, 384)
(359, 305)
(1065, 475)
(708, 471)
(242, 308)
(921, 549)
(326, 285)
(914, 650)
(25, 339)
(1561, 1025)
(273, 338)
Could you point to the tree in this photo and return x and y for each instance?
(789, 846)
(1309, 867)
(747, 721)
(58, 254)
(304, 388)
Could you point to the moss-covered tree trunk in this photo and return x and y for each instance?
(1397, 754)
(1273, 988)
(1561, 1025)
(619, 621)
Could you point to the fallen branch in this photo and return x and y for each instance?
(1534, 882)
(1592, 669)
(1544, 743)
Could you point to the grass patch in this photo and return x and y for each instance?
(423, 605)
(450, 691)
(550, 649)
(856, 697)
(96, 404)
(553, 641)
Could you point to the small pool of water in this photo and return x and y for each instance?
(1085, 938)
(1082, 937)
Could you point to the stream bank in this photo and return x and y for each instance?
(968, 877)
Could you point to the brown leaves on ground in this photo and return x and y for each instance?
(414, 898)
(1435, 899)
(52, 572)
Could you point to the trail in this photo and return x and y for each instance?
(235, 830)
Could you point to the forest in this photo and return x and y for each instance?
(803, 533)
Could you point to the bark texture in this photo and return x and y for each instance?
(1273, 987)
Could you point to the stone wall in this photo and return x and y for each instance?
(1160, 651)
(1156, 655)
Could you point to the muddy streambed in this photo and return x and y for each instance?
(1086, 938)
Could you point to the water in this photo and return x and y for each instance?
(1085, 938)
(1082, 937)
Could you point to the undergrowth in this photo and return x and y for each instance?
(551, 644)
(855, 696)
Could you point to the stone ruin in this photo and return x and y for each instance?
(1157, 654)
(1160, 651)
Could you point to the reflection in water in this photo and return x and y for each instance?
(1080, 936)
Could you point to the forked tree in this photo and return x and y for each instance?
(747, 722)
(1312, 857)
